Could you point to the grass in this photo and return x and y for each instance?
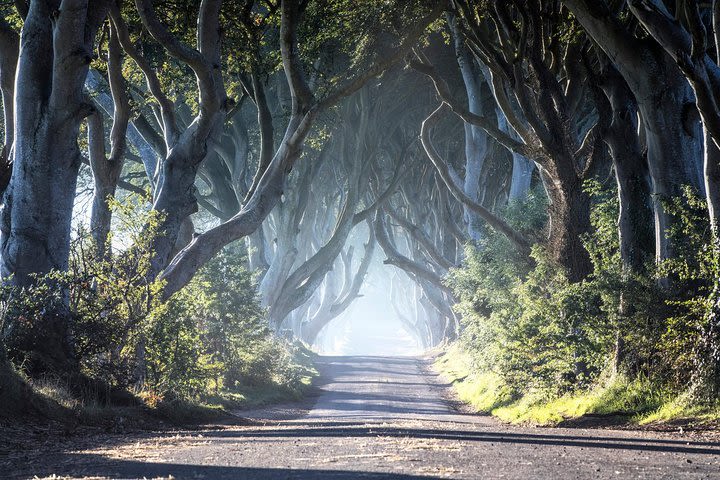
(614, 396)
(639, 400)
(681, 409)
(145, 408)
(484, 392)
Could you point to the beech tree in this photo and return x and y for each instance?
(540, 96)
(55, 49)
(48, 104)
(304, 110)
(666, 104)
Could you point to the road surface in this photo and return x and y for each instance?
(378, 418)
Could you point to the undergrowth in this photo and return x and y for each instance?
(639, 401)
(632, 342)
(149, 407)
(205, 350)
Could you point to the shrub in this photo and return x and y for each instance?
(210, 335)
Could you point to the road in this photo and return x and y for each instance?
(380, 418)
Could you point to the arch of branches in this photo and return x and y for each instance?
(333, 141)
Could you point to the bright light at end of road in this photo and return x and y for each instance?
(368, 327)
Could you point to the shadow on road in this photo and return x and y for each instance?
(358, 414)
(92, 466)
(344, 430)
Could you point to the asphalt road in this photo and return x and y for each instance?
(379, 418)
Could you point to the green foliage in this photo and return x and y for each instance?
(212, 336)
(640, 398)
(529, 324)
(691, 340)
(552, 344)
(347, 36)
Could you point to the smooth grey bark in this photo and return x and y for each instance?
(619, 114)
(522, 167)
(257, 258)
(105, 180)
(291, 242)
(631, 172)
(521, 243)
(686, 42)
(96, 85)
(300, 222)
(521, 181)
(422, 239)
(49, 106)
(188, 147)
(9, 51)
(665, 101)
(56, 46)
(397, 259)
(106, 170)
(476, 140)
(271, 184)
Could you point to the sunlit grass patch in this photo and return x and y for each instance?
(682, 408)
(615, 396)
(484, 392)
(639, 400)
(529, 409)
(56, 391)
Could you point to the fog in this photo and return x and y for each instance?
(369, 327)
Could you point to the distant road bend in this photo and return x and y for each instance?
(384, 418)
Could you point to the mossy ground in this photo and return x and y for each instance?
(632, 402)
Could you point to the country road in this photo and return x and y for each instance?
(378, 418)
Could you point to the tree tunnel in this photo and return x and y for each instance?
(350, 159)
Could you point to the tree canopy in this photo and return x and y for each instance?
(538, 181)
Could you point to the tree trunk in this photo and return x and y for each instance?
(673, 155)
(631, 174)
(522, 167)
(521, 179)
(712, 182)
(476, 139)
(9, 49)
(257, 259)
(635, 219)
(569, 212)
(666, 105)
(35, 224)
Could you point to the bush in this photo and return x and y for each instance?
(541, 333)
(209, 336)
(554, 343)
(527, 323)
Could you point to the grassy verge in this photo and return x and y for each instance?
(279, 390)
(637, 401)
(146, 409)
